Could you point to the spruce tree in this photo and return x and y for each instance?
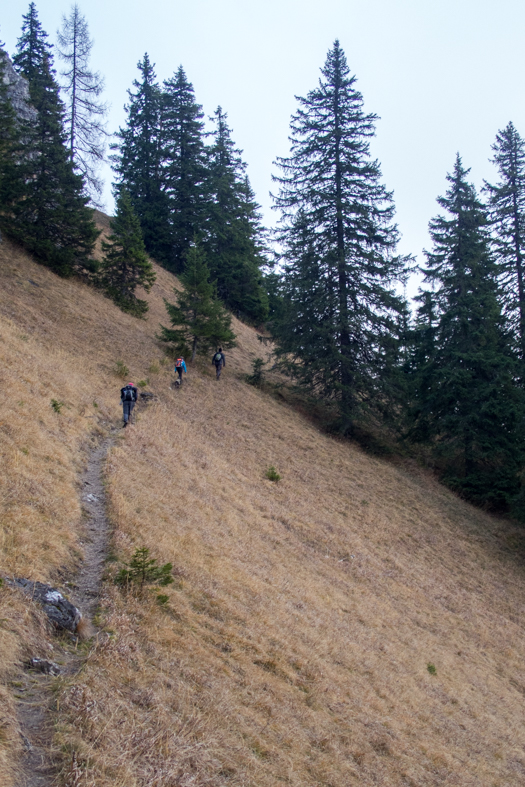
(32, 46)
(125, 265)
(138, 160)
(467, 403)
(85, 112)
(184, 175)
(233, 236)
(199, 321)
(11, 150)
(507, 213)
(337, 249)
(51, 218)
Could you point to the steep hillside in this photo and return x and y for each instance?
(352, 624)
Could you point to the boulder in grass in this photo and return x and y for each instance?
(59, 610)
(42, 665)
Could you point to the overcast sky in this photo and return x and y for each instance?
(443, 76)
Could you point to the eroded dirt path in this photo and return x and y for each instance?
(34, 691)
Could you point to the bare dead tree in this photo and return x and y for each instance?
(85, 118)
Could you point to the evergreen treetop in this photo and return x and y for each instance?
(233, 235)
(337, 246)
(468, 405)
(32, 46)
(507, 214)
(185, 174)
(137, 161)
(48, 215)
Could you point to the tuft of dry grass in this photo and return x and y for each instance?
(295, 642)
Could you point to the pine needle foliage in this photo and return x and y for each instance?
(125, 265)
(233, 235)
(468, 406)
(50, 217)
(137, 161)
(185, 167)
(338, 249)
(200, 321)
(507, 215)
(143, 570)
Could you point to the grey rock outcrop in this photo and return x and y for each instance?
(59, 610)
(42, 665)
(17, 89)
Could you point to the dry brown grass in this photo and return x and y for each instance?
(295, 643)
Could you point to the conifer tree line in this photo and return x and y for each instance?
(449, 379)
(189, 186)
(184, 186)
(446, 375)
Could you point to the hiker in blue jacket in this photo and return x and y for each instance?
(180, 366)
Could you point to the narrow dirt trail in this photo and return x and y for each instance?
(39, 762)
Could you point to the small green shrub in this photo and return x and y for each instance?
(431, 668)
(25, 451)
(143, 570)
(56, 405)
(256, 378)
(154, 368)
(121, 370)
(162, 599)
(142, 383)
(95, 405)
(272, 474)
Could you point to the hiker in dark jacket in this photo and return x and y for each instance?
(128, 397)
(219, 360)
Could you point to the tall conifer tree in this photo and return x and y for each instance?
(185, 174)
(51, 218)
(138, 161)
(507, 213)
(11, 150)
(233, 233)
(467, 403)
(338, 248)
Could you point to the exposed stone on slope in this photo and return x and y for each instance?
(17, 90)
(59, 610)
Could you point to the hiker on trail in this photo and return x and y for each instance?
(219, 360)
(128, 397)
(180, 366)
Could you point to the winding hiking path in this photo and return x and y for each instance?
(39, 761)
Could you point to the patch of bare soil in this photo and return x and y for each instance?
(40, 760)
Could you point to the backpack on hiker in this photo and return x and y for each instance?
(128, 394)
(217, 358)
(179, 362)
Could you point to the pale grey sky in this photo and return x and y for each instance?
(443, 75)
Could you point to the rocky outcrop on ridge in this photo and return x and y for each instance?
(17, 89)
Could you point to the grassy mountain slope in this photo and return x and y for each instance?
(295, 644)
